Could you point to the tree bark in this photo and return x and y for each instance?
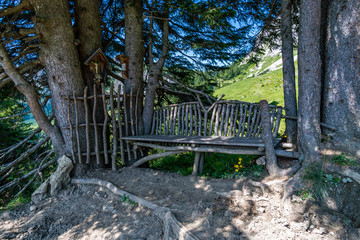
(288, 70)
(155, 70)
(341, 100)
(88, 31)
(309, 80)
(134, 50)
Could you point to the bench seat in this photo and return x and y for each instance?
(201, 140)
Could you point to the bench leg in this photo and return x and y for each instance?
(196, 163)
(201, 167)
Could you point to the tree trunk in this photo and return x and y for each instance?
(59, 56)
(88, 26)
(288, 70)
(134, 50)
(341, 100)
(152, 86)
(309, 80)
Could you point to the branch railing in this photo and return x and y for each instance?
(106, 142)
(222, 118)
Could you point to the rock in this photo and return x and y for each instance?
(295, 198)
(41, 192)
(61, 177)
(33, 208)
(108, 208)
(321, 230)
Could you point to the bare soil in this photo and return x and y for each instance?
(209, 208)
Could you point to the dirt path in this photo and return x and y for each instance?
(88, 212)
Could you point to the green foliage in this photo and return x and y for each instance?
(305, 195)
(126, 199)
(344, 160)
(12, 131)
(216, 165)
(319, 183)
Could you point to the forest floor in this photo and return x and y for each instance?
(209, 208)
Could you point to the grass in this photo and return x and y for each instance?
(344, 160)
(21, 200)
(216, 165)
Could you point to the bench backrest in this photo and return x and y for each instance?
(224, 118)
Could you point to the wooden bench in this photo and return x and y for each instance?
(232, 127)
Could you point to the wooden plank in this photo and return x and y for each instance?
(77, 127)
(212, 119)
(87, 127)
(196, 121)
(249, 121)
(178, 120)
(71, 130)
(186, 119)
(225, 131)
(277, 122)
(209, 140)
(174, 120)
(203, 148)
(243, 120)
(200, 120)
(132, 125)
(95, 128)
(136, 112)
(182, 119)
(164, 122)
(232, 117)
(257, 123)
(253, 121)
(157, 122)
(122, 154)
(126, 121)
(191, 120)
(237, 106)
(106, 157)
(167, 121)
(114, 131)
(217, 119)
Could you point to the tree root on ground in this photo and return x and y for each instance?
(172, 225)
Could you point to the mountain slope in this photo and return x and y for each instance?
(257, 81)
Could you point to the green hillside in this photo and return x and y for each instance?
(263, 81)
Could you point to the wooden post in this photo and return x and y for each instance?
(77, 127)
(105, 124)
(113, 117)
(95, 129)
(120, 127)
(271, 160)
(71, 129)
(202, 160)
(196, 163)
(86, 105)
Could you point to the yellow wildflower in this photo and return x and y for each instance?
(240, 166)
(236, 166)
(236, 170)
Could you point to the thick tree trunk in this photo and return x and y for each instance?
(309, 80)
(134, 50)
(88, 31)
(152, 86)
(59, 56)
(341, 102)
(288, 70)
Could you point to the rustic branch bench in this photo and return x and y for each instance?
(232, 127)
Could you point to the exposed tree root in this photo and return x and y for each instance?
(172, 225)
